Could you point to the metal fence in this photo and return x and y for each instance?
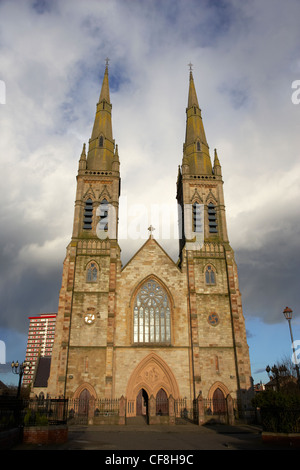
(35, 412)
(185, 411)
(16, 412)
(80, 410)
(47, 411)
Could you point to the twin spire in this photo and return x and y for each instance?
(196, 156)
(102, 152)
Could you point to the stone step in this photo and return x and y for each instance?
(137, 421)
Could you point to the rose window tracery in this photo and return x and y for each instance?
(151, 314)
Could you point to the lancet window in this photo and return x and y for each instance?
(210, 276)
(92, 272)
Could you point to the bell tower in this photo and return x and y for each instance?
(199, 184)
(207, 258)
(87, 301)
(98, 179)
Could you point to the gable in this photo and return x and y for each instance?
(152, 254)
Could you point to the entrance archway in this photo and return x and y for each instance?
(142, 403)
(219, 403)
(152, 374)
(162, 403)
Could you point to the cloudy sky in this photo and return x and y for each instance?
(245, 59)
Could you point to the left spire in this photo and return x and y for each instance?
(101, 145)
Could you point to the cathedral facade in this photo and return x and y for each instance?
(151, 328)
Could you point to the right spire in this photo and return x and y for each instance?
(195, 150)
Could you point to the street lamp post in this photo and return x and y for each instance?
(288, 313)
(20, 369)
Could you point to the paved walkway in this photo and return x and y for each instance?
(160, 438)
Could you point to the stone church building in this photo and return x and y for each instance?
(151, 328)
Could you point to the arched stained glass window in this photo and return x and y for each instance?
(151, 314)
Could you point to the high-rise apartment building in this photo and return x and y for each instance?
(40, 341)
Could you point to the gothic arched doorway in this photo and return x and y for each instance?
(151, 374)
(162, 403)
(142, 403)
(219, 403)
(83, 402)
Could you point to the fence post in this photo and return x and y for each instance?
(230, 412)
(171, 410)
(122, 410)
(200, 407)
(91, 410)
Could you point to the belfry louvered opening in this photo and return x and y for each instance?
(88, 215)
(197, 217)
(103, 222)
(212, 218)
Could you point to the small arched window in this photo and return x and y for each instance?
(198, 146)
(101, 141)
(151, 314)
(210, 276)
(88, 215)
(92, 272)
(212, 218)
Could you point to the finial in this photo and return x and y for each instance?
(151, 229)
(106, 62)
(190, 65)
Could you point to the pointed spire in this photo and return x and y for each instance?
(192, 100)
(196, 150)
(104, 95)
(217, 166)
(83, 154)
(102, 145)
(82, 161)
(216, 159)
